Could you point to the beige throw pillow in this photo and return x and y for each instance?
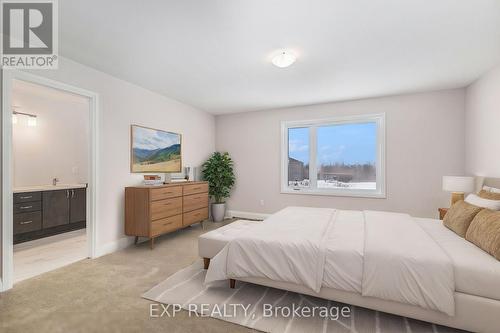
(489, 195)
(484, 232)
(459, 217)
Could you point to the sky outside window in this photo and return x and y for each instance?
(347, 143)
(298, 144)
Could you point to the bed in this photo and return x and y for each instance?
(383, 261)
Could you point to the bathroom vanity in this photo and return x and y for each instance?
(42, 211)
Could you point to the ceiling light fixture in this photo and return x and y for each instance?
(284, 59)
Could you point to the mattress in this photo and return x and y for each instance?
(476, 272)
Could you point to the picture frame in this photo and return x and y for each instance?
(154, 151)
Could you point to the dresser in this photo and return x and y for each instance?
(151, 211)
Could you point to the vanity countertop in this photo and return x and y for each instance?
(37, 188)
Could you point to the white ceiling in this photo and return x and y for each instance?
(214, 54)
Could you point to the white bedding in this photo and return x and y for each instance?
(318, 247)
(288, 247)
(476, 272)
(403, 263)
(344, 256)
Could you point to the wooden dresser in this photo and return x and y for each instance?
(151, 211)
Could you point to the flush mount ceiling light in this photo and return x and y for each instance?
(284, 59)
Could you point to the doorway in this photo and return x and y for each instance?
(48, 175)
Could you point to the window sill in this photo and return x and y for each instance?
(339, 193)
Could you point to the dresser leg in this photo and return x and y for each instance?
(232, 283)
(202, 227)
(136, 240)
(152, 243)
(206, 263)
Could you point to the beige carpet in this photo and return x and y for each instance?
(270, 310)
(104, 294)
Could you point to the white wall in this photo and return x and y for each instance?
(482, 125)
(123, 104)
(425, 140)
(58, 145)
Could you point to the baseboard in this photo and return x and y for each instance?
(246, 215)
(114, 246)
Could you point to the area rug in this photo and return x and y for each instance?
(271, 310)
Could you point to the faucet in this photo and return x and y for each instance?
(54, 181)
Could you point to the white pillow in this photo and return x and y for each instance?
(475, 200)
(491, 189)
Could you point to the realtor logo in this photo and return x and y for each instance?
(29, 34)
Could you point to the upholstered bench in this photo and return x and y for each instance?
(212, 242)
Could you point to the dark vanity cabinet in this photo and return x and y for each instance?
(46, 213)
(78, 205)
(27, 212)
(55, 208)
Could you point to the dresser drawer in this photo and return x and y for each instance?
(195, 216)
(27, 197)
(166, 208)
(195, 201)
(165, 225)
(166, 193)
(27, 207)
(26, 222)
(195, 188)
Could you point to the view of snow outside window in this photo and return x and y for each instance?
(345, 156)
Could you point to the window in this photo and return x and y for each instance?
(338, 156)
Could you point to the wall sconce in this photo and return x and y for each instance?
(32, 121)
(31, 118)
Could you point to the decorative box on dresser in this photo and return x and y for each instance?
(151, 211)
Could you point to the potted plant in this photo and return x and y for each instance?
(218, 171)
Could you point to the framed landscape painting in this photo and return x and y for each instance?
(155, 150)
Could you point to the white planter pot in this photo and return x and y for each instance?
(218, 212)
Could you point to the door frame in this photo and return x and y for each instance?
(9, 75)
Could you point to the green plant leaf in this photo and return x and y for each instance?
(218, 171)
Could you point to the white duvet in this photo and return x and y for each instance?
(378, 254)
(289, 246)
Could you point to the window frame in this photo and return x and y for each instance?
(378, 119)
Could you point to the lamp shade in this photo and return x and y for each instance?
(458, 184)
